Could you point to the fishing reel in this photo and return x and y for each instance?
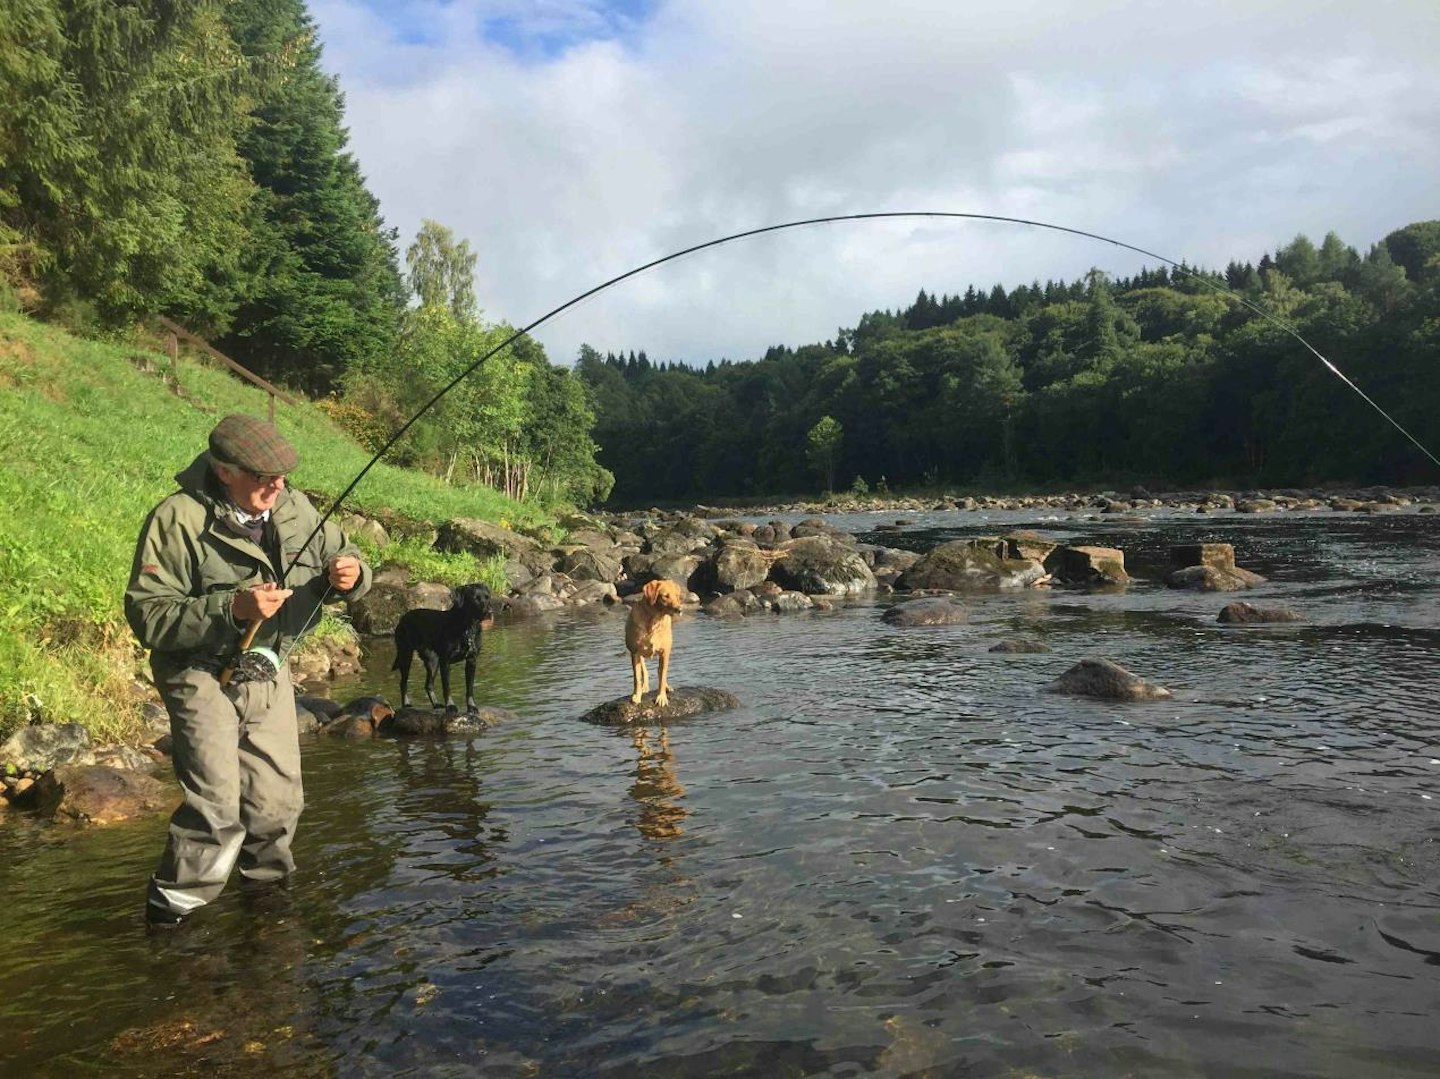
(254, 665)
(251, 664)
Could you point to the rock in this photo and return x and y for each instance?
(1019, 647)
(94, 794)
(532, 605)
(592, 564)
(787, 602)
(1088, 565)
(321, 706)
(1235, 614)
(363, 717)
(591, 592)
(485, 540)
(126, 758)
(931, 611)
(365, 527)
(724, 607)
(684, 702)
(823, 565)
(1212, 579)
(1106, 680)
(1256, 505)
(43, 746)
(1027, 544)
(1218, 555)
(429, 722)
(970, 564)
(735, 565)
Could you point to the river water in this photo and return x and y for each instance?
(898, 857)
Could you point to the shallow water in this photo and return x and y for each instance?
(898, 857)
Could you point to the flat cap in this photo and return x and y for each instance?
(253, 445)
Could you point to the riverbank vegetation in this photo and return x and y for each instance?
(1165, 377)
(91, 437)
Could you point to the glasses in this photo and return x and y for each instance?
(265, 479)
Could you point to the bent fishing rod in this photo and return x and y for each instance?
(1204, 279)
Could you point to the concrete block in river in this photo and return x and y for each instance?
(1218, 555)
(1088, 565)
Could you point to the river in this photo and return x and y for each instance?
(898, 857)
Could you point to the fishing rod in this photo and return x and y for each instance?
(832, 219)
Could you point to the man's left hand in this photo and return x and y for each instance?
(345, 572)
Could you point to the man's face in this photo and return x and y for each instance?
(252, 492)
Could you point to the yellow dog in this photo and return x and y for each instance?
(647, 633)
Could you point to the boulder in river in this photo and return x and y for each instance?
(1108, 681)
(1019, 647)
(962, 565)
(95, 794)
(1088, 565)
(432, 722)
(822, 565)
(1244, 614)
(684, 702)
(929, 611)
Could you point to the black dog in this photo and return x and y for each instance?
(442, 637)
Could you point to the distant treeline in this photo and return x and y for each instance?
(1163, 378)
(188, 158)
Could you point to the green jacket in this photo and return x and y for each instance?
(192, 558)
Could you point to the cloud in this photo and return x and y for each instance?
(571, 140)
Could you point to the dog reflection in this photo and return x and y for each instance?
(656, 789)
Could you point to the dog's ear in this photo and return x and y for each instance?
(651, 591)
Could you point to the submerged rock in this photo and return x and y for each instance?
(1019, 647)
(95, 794)
(930, 611)
(421, 722)
(684, 702)
(1234, 614)
(1106, 680)
(1214, 579)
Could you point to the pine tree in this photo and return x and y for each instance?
(119, 181)
(328, 292)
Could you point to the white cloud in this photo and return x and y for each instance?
(572, 140)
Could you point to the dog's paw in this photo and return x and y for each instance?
(662, 699)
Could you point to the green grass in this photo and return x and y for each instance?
(91, 437)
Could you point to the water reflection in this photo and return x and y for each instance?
(656, 790)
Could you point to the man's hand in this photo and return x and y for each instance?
(260, 602)
(345, 572)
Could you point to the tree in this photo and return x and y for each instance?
(442, 272)
(327, 292)
(823, 448)
(119, 180)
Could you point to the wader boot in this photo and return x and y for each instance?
(237, 755)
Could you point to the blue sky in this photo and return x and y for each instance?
(571, 140)
(539, 30)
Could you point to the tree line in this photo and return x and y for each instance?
(189, 158)
(1163, 377)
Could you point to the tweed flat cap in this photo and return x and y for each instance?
(253, 445)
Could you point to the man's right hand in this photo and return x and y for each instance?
(259, 602)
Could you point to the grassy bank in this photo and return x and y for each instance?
(91, 437)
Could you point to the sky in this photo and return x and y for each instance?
(571, 141)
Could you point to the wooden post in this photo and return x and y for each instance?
(175, 359)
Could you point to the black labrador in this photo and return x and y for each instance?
(441, 638)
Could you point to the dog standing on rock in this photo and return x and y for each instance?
(441, 638)
(647, 633)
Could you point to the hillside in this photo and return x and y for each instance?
(91, 436)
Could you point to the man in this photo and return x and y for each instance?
(209, 563)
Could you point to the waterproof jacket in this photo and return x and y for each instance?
(192, 558)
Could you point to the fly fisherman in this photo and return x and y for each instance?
(207, 568)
